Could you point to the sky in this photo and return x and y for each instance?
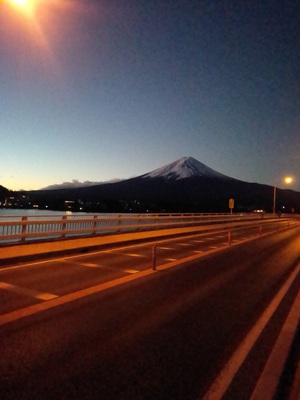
(98, 90)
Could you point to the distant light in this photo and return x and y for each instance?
(288, 180)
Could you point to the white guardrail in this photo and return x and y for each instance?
(26, 228)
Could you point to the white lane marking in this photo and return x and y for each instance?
(183, 244)
(56, 302)
(197, 241)
(268, 380)
(131, 271)
(213, 247)
(210, 238)
(90, 265)
(225, 377)
(165, 248)
(171, 259)
(27, 292)
(134, 255)
(198, 251)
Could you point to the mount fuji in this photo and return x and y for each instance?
(185, 185)
(185, 167)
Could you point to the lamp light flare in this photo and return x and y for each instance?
(21, 3)
(36, 18)
(288, 180)
(27, 7)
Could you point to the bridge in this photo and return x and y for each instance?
(205, 261)
(47, 234)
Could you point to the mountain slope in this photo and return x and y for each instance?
(3, 192)
(185, 167)
(183, 186)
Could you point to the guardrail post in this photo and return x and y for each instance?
(95, 225)
(24, 226)
(154, 257)
(119, 223)
(64, 225)
(229, 238)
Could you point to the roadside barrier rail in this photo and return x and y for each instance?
(25, 228)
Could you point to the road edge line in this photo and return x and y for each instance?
(267, 383)
(226, 375)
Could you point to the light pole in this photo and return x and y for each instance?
(274, 199)
(288, 180)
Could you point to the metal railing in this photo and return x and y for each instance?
(25, 228)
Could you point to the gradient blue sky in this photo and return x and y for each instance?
(94, 90)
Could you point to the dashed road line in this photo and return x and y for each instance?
(165, 248)
(171, 259)
(183, 244)
(100, 266)
(198, 251)
(55, 301)
(225, 377)
(90, 265)
(27, 292)
(131, 271)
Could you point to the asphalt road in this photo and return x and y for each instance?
(162, 334)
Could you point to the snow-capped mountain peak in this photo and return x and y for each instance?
(185, 167)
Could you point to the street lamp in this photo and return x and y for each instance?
(288, 180)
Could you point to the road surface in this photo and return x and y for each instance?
(105, 325)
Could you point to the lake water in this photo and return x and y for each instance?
(13, 214)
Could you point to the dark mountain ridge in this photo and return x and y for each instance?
(183, 186)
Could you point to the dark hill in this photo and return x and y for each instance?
(185, 185)
(193, 194)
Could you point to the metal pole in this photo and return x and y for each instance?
(154, 257)
(274, 199)
(23, 234)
